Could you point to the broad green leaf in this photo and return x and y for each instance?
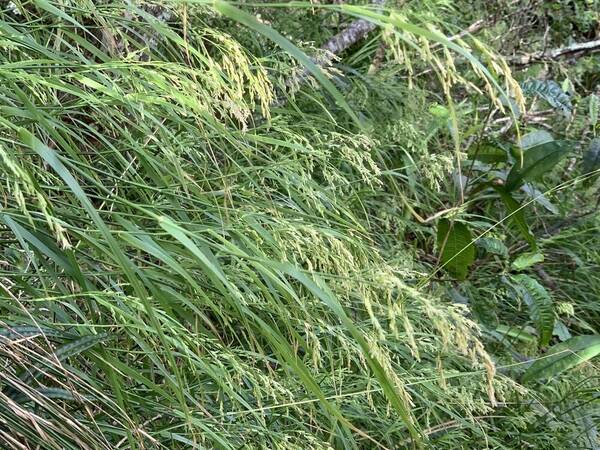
(489, 153)
(527, 260)
(455, 247)
(539, 303)
(537, 161)
(564, 356)
(535, 138)
(539, 198)
(516, 215)
(439, 111)
(516, 333)
(561, 331)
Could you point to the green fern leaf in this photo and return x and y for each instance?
(66, 351)
(51, 393)
(539, 303)
(27, 331)
(551, 92)
(527, 260)
(492, 245)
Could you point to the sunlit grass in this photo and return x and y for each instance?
(214, 273)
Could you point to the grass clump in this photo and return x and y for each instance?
(186, 265)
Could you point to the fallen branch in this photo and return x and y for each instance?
(579, 49)
(353, 33)
(554, 54)
(545, 277)
(471, 29)
(116, 47)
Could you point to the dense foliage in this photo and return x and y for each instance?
(216, 234)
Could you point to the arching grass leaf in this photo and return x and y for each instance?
(516, 215)
(564, 356)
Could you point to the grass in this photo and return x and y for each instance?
(185, 267)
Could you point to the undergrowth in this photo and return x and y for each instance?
(188, 261)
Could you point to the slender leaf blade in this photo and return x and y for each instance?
(516, 215)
